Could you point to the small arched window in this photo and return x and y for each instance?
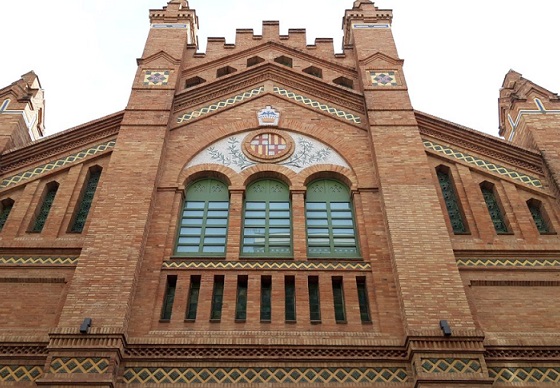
(494, 208)
(267, 222)
(330, 221)
(539, 215)
(204, 219)
(6, 206)
(451, 201)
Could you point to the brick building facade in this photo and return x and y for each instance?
(270, 212)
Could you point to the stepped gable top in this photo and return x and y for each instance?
(515, 94)
(22, 86)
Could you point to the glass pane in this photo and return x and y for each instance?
(254, 241)
(279, 249)
(255, 221)
(318, 241)
(279, 240)
(215, 240)
(193, 213)
(194, 205)
(321, 222)
(343, 232)
(345, 250)
(215, 231)
(279, 206)
(255, 205)
(279, 214)
(187, 248)
(340, 214)
(316, 214)
(216, 221)
(279, 222)
(218, 205)
(213, 249)
(254, 231)
(344, 241)
(319, 250)
(253, 249)
(255, 214)
(191, 231)
(340, 205)
(314, 232)
(218, 213)
(192, 221)
(342, 222)
(316, 206)
(189, 240)
(279, 231)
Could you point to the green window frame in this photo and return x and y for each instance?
(540, 218)
(290, 298)
(338, 299)
(204, 220)
(87, 199)
(363, 299)
(494, 209)
(266, 298)
(168, 298)
(330, 224)
(45, 208)
(314, 299)
(6, 206)
(192, 300)
(241, 299)
(267, 220)
(217, 298)
(451, 202)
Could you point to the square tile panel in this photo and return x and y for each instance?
(156, 77)
(383, 78)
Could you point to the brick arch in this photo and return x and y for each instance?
(259, 171)
(208, 170)
(328, 171)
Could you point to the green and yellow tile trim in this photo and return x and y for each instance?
(38, 260)
(526, 375)
(56, 164)
(451, 365)
(507, 262)
(220, 104)
(79, 365)
(19, 373)
(267, 265)
(317, 105)
(484, 164)
(259, 90)
(267, 375)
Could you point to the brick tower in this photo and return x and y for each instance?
(270, 212)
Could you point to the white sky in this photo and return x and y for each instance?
(456, 52)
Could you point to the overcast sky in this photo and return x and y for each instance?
(456, 52)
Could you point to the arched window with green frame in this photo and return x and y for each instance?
(267, 222)
(330, 220)
(204, 219)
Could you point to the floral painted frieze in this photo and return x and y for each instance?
(230, 152)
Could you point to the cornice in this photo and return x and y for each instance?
(60, 143)
(267, 46)
(478, 142)
(269, 71)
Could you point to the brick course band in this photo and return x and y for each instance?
(268, 265)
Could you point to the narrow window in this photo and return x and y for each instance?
(451, 202)
(539, 216)
(6, 206)
(290, 298)
(217, 298)
(363, 299)
(284, 60)
(266, 298)
(45, 208)
(338, 298)
(330, 223)
(168, 298)
(494, 209)
(85, 203)
(241, 304)
(314, 301)
(192, 301)
(267, 220)
(204, 219)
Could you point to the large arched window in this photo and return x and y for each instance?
(267, 226)
(204, 219)
(330, 222)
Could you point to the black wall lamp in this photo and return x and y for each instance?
(445, 328)
(86, 324)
